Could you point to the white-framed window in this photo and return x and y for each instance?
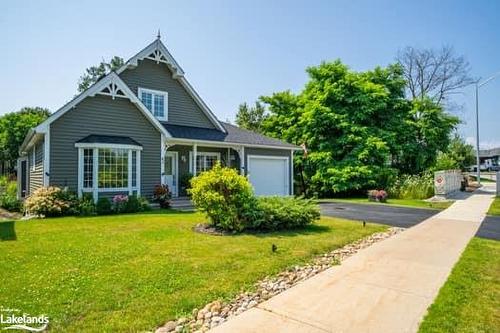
(33, 159)
(155, 101)
(204, 161)
(108, 168)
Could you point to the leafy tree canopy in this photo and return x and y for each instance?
(94, 73)
(358, 127)
(13, 129)
(251, 118)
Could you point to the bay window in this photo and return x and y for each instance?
(108, 168)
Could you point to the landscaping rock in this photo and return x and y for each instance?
(168, 327)
(216, 312)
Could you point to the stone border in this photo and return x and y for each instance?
(217, 312)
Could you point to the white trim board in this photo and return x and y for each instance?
(209, 143)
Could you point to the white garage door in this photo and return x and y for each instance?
(269, 175)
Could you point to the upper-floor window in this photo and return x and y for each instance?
(156, 102)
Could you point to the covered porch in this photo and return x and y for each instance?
(183, 160)
(267, 162)
(269, 170)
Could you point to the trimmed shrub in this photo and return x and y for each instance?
(276, 213)
(103, 206)
(86, 206)
(47, 201)
(143, 204)
(162, 195)
(136, 204)
(224, 196)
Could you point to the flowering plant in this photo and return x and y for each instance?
(47, 201)
(162, 195)
(377, 195)
(120, 203)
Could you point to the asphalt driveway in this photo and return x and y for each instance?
(490, 228)
(404, 217)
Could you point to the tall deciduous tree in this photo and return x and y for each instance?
(94, 73)
(358, 127)
(251, 118)
(434, 74)
(13, 129)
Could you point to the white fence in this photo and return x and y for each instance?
(447, 182)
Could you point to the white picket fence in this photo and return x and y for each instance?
(447, 182)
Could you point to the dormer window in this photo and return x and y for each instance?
(156, 102)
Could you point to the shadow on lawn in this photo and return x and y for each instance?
(8, 231)
(301, 231)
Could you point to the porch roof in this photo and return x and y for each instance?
(124, 140)
(234, 135)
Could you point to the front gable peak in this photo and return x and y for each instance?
(157, 52)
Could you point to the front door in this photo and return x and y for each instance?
(170, 176)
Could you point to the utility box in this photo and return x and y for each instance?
(497, 179)
(447, 182)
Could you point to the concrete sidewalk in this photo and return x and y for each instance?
(384, 288)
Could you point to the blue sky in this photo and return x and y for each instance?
(235, 51)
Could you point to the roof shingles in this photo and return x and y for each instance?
(234, 135)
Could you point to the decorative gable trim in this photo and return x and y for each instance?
(158, 52)
(155, 51)
(110, 85)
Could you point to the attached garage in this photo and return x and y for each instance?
(269, 175)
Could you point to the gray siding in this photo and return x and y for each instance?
(182, 109)
(102, 116)
(270, 152)
(36, 170)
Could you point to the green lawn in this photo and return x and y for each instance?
(470, 299)
(394, 202)
(130, 273)
(495, 207)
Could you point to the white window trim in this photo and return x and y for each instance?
(33, 157)
(95, 190)
(156, 92)
(201, 153)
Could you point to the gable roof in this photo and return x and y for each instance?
(158, 52)
(233, 135)
(110, 85)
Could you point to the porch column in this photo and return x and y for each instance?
(195, 151)
(228, 164)
(242, 160)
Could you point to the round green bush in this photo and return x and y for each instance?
(103, 206)
(224, 196)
